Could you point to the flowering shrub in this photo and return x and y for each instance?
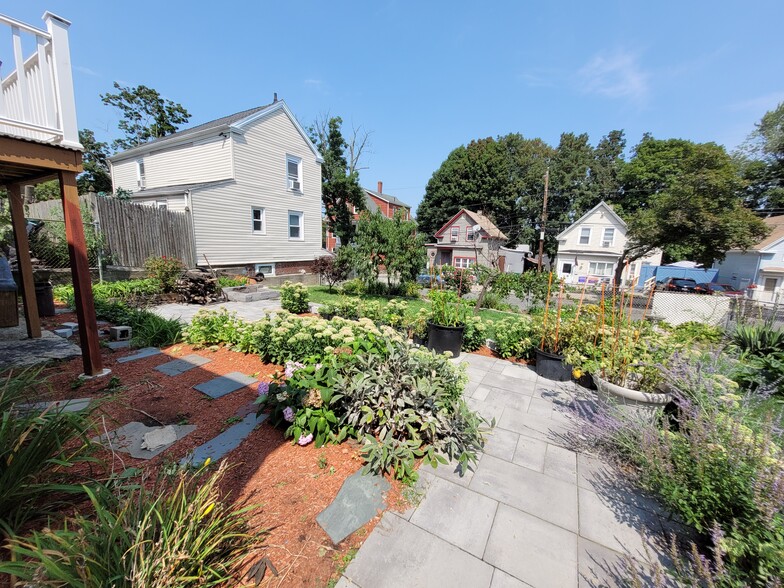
(165, 271)
(474, 334)
(395, 313)
(294, 297)
(514, 337)
(459, 280)
(354, 287)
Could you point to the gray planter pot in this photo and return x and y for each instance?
(633, 403)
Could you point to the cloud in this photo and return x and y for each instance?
(615, 75)
(86, 71)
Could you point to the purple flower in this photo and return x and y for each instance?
(291, 367)
(288, 414)
(305, 439)
(263, 388)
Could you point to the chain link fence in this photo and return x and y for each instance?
(49, 248)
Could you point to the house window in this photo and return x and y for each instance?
(567, 268)
(609, 237)
(258, 220)
(294, 173)
(585, 235)
(268, 269)
(600, 268)
(140, 177)
(162, 204)
(296, 231)
(455, 233)
(464, 262)
(469, 233)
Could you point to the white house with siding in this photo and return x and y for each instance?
(251, 183)
(591, 247)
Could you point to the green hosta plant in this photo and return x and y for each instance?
(294, 297)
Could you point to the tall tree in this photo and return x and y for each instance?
(608, 165)
(146, 115)
(571, 190)
(761, 161)
(693, 203)
(340, 189)
(96, 168)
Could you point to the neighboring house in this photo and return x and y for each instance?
(251, 183)
(375, 202)
(759, 270)
(469, 238)
(590, 249)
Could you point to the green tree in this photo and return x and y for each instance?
(94, 160)
(340, 189)
(693, 203)
(608, 166)
(146, 115)
(761, 161)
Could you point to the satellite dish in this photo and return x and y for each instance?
(476, 228)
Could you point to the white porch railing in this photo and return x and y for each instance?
(37, 97)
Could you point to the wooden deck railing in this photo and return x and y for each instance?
(37, 97)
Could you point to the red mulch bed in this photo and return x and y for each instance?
(487, 352)
(291, 484)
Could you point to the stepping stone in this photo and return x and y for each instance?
(130, 438)
(115, 345)
(64, 333)
(141, 354)
(223, 385)
(216, 448)
(182, 365)
(359, 500)
(73, 405)
(72, 326)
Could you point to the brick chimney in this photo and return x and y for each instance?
(380, 187)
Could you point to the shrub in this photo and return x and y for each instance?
(411, 289)
(456, 279)
(232, 281)
(695, 332)
(179, 533)
(149, 329)
(447, 309)
(370, 309)
(124, 291)
(332, 269)
(165, 271)
(474, 334)
(348, 308)
(355, 287)
(514, 337)
(294, 297)
(394, 313)
(36, 449)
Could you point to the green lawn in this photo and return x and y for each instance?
(321, 295)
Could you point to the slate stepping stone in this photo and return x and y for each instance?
(115, 345)
(182, 365)
(216, 448)
(130, 438)
(141, 354)
(73, 405)
(223, 385)
(359, 500)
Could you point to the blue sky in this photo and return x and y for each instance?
(425, 77)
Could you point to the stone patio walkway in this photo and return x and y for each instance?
(532, 513)
(249, 311)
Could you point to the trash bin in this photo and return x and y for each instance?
(44, 298)
(9, 314)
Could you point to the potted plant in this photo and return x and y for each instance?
(447, 322)
(417, 328)
(551, 336)
(327, 311)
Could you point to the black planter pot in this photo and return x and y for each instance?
(552, 366)
(327, 316)
(441, 339)
(586, 381)
(417, 340)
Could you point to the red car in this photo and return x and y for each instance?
(720, 289)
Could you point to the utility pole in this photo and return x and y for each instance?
(544, 218)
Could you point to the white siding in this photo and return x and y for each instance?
(596, 222)
(222, 214)
(174, 202)
(204, 160)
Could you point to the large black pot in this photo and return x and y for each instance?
(552, 366)
(441, 339)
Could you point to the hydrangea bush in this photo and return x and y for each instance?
(294, 297)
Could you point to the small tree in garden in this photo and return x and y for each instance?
(333, 268)
(164, 270)
(294, 298)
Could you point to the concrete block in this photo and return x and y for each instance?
(398, 553)
(120, 333)
(182, 365)
(359, 500)
(457, 515)
(223, 385)
(535, 551)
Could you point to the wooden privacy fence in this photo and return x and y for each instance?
(133, 232)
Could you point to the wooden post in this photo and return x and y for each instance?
(80, 272)
(23, 262)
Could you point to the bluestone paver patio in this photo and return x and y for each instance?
(532, 512)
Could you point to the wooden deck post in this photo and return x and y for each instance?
(24, 264)
(80, 272)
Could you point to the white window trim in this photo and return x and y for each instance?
(470, 231)
(301, 225)
(298, 161)
(141, 174)
(454, 234)
(469, 261)
(607, 268)
(580, 239)
(272, 265)
(164, 204)
(604, 235)
(263, 230)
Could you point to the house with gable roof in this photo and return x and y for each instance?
(759, 270)
(250, 182)
(590, 249)
(467, 239)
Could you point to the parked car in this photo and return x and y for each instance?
(678, 285)
(728, 290)
(427, 280)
